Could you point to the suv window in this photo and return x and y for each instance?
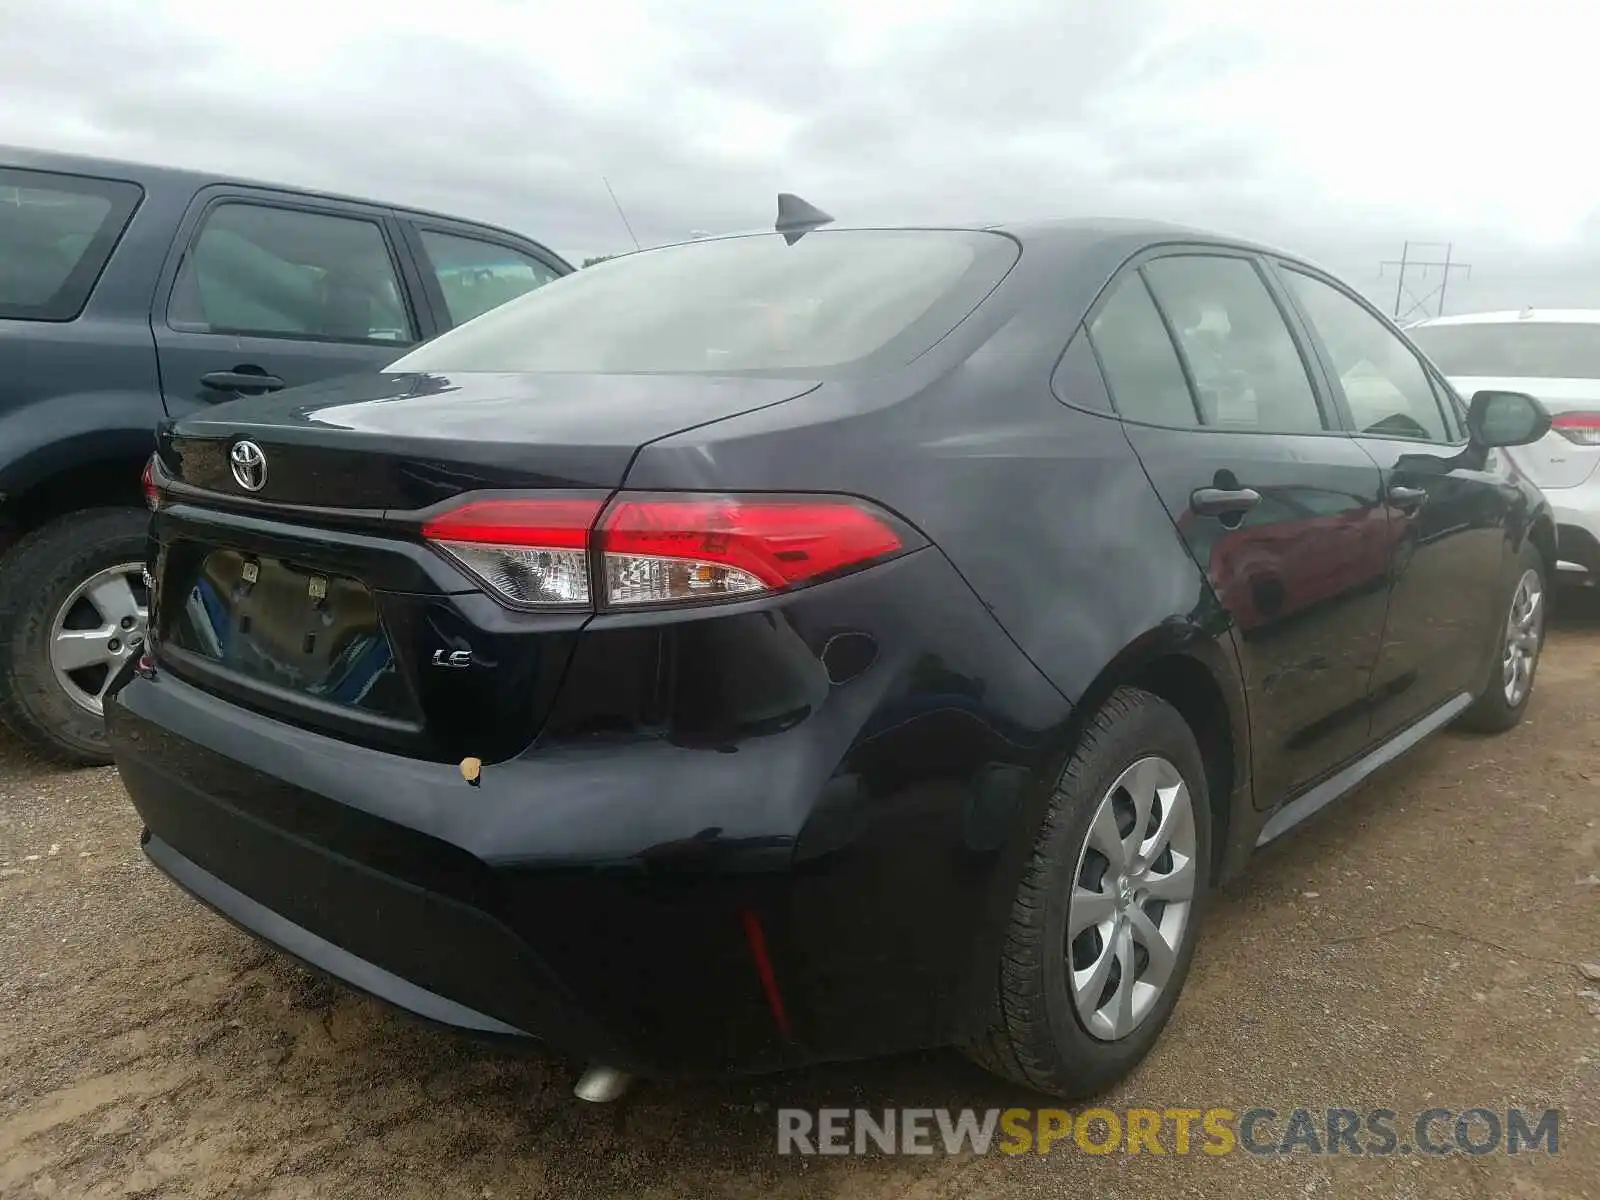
(1384, 383)
(1246, 368)
(283, 272)
(56, 233)
(1141, 367)
(476, 276)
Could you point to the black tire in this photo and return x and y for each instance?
(36, 578)
(1036, 1037)
(1491, 712)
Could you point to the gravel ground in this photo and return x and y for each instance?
(1418, 945)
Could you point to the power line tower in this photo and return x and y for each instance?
(1409, 265)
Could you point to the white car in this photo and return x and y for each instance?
(1553, 354)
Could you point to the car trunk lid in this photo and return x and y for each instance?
(311, 594)
(405, 442)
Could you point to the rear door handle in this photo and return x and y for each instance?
(1407, 497)
(1223, 502)
(241, 381)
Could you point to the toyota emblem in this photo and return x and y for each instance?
(249, 466)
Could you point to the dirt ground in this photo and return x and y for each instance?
(1417, 945)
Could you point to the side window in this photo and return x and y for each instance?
(477, 276)
(283, 272)
(1141, 367)
(1078, 380)
(1389, 392)
(56, 233)
(1246, 368)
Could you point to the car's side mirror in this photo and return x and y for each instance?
(1506, 419)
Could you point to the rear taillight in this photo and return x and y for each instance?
(1580, 427)
(669, 548)
(662, 549)
(533, 552)
(152, 491)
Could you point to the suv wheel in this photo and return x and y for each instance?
(1104, 923)
(73, 607)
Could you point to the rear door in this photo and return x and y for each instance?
(268, 290)
(1448, 507)
(76, 361)
(1273, 499)
(466, 270)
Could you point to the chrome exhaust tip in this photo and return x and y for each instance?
(601, 1085)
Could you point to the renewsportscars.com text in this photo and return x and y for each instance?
(1262, 1131)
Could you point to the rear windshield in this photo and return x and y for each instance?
(56, 232)
(1515, 350)
(834, 300)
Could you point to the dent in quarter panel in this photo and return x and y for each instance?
(1057, 529)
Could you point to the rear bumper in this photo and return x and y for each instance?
(614, 896)
(398, 878)
(1576, 511)
(316, 951)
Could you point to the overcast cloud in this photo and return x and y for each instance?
(1338, 130)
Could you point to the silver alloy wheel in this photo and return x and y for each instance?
(1131, 898)
(1524, 625)
(101, 624)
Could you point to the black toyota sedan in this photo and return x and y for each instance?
(823, 642)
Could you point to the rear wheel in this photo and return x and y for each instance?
(73, 609)
(1104, 923)
(1519, 640)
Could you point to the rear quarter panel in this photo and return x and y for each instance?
(1046, 515)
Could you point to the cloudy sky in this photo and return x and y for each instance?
(1336, 129)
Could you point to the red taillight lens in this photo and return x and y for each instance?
(665, 548)
(562, 524)
(533, 552)
(1580, 427)
(659, 548)
(152, 493)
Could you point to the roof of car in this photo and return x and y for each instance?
(32, 158)
(1554, 316)
(1097, 225)
(1087, 228)
(1064, 231)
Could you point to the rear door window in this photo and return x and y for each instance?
(1523, 349)
(1142, 369)
(268, 271)
(475, 276)
(56, 234)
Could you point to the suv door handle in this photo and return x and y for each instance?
(1223, 502)
(1407, 497)
(241, 381)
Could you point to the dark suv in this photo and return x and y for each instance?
(131, 293)
(821, 643)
